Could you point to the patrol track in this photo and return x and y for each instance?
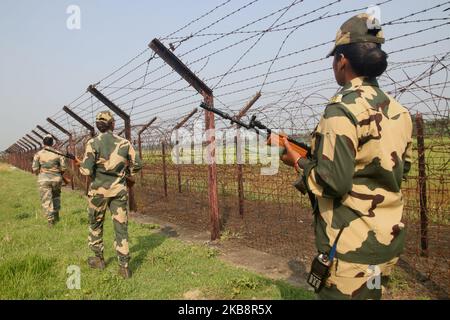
(240, 52)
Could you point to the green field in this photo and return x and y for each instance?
(34, 259)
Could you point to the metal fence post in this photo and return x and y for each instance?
(207, 94)
(145, 127)
(163, 146)
(239, 158)
(177, 141)
(422, 185)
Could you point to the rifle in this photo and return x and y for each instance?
(129, 180)
(301, 148)
(66, 155)
(66, 180)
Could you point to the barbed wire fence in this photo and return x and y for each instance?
(239, 54)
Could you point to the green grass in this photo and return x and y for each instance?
(34, 258)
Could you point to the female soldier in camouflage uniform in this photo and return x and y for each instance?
(50, 168)
(361, 150)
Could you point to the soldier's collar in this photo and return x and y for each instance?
(360, 81)
(353, 85)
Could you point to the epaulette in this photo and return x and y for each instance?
(336, 99)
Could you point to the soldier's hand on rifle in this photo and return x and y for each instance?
(66, 181)
(276, 140)
(290, 157)
(77, 162)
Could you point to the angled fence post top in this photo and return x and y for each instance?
(22, 145)
(37, 134)
(173, 61)
(53, 123)
(185, 119)
(34, 140)
(100, 96)
(80, 120)
(27, 144)
(46, 132)
(145, 127)
(247, 107)
(30, 142)
(18, 147)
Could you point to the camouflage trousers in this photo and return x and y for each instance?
(119, 211)
(352, 281)
(50, 192)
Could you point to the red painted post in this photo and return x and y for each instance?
(239, 158)
(163, 146)
(422, 185)
(207, 94)
(145, 127)
(212, 170)
(177, 141)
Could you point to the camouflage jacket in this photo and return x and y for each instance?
(361, 152)
(108, 160)
(49, 165)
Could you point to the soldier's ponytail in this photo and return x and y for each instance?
(48, 141)
(366, 58)
(103, 126)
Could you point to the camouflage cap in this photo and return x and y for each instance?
(48, 136)
(360, 28)
(104, 116)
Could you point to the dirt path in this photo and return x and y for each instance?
(231, 251)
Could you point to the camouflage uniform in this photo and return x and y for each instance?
(108, 160)
(361, 152)
(51, 168)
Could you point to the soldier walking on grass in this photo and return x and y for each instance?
(50, 168)
(361, 151)
(110, 161)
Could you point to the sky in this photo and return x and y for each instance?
(44, 65)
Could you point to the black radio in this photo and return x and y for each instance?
(320, 271)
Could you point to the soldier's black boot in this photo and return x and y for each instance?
(57, 217)
(96, 262)
(125, 272)
(51, 223)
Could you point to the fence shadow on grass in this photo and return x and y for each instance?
(144, 245)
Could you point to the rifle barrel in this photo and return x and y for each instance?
(67, 155)
(254, 124)
(226, 116)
